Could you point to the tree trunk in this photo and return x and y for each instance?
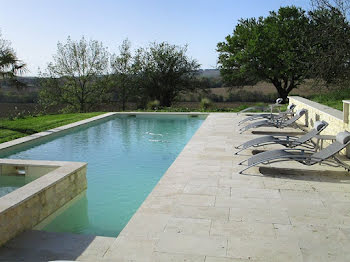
(282, 93)
(82, 107)
(123, 105)
(165, 100)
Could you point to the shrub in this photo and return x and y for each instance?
(153, 105)
(205, 103)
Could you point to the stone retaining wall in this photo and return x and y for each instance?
(316, 112)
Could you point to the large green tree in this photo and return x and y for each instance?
(123, 73)
(330, 38)
(164, 71)
(77, 77)
(10, 65)
(274, 49)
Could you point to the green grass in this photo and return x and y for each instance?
(12, 129)
(332, 99)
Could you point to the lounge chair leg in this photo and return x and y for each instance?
(241, 172)
(240, 163)
(236, 153)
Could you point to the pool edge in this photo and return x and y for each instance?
(10, 145)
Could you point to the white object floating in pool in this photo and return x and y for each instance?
(153, 134)
(157, 140)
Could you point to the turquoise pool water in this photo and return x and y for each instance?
(126, 157)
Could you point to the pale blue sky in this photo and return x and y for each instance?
(34, 27)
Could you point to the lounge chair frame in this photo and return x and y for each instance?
(286, 140)
(279, 123)
(270, 116)
(303, 156)
(262, 108)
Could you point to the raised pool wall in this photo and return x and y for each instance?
(56, 184)
(337, 120)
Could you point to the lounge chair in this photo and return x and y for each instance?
(304, 156)
(262, 108)
(285, 140)
(289, 111)
(279, 123)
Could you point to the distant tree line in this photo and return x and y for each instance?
(289, 46)
(83, 74)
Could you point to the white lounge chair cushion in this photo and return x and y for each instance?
(279, 100)
(301, 112)
(343, 137)
(319, 125)
(291, 107)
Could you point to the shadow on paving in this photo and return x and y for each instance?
(333, 176)
(278, 132)
(46, 246)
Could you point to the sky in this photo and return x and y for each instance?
(34, 27)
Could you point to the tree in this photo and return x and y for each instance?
(274, 49)
(123, 72)
(341, 5)
(10, 65)
(330, 38)
(164, 71)
(77, 76)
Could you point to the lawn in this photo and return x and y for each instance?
(12, 129)
(333, 98)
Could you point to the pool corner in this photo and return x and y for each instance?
(57, 184)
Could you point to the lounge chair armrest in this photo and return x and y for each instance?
(285, 113)
(300, 150)
(287, 137)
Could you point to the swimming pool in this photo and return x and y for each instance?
(126, 156)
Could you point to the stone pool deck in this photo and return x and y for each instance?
(203, 210)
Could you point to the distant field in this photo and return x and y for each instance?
(223, 105)
(267, 88)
